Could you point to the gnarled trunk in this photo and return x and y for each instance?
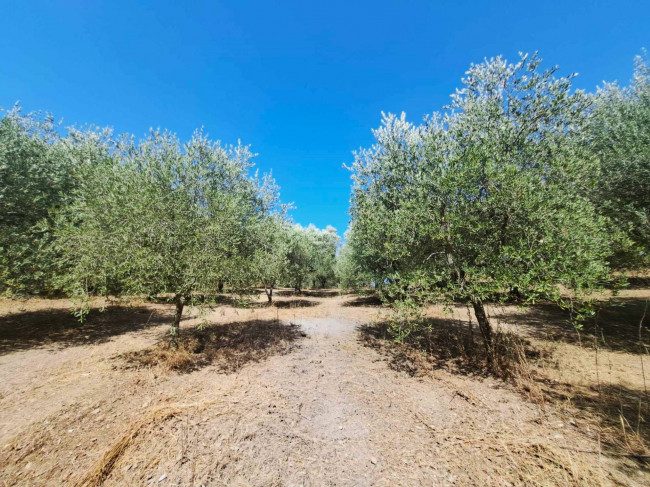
(269, 294)
(485, 327)
(179, 301)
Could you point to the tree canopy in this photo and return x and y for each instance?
(620, 132)
(488, 198)
(36, 177)
(159, 216)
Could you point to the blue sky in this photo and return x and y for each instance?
(302, 82)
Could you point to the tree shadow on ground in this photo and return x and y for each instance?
(211, 300)
(632, 282)
(616, 327)
(370, 301)
(296, 303)
(446, 344)
(620, 415)
(228, 346)
(454, 346)
(285, 292)
(309, 293)
(236, 301)
(60, 328)
(638, 283)
(320, 293)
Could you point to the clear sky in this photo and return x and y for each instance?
(303, 82)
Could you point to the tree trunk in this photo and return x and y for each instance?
(176, 326)
(269, 294)
(484, 326)
(220, 285)
(516, 294)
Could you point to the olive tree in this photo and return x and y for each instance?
(620, 131)
(36, 175)
(300, 262)
(269, 261)
(324, 244)
(487, 198)
(311, 255)
(350, 272)
(161, 217)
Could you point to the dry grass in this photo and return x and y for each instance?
(455, 347)
(104, 467)
(84, 421)
(538, 463)
(101, 471)
(613, 414)
(616, 412)
(227, 346)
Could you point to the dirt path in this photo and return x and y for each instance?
(331, 412)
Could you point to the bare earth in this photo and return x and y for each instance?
(330, 411)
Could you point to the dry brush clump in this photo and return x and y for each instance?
(228, 346)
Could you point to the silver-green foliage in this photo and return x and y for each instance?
(311, 257)
(269, 257)
(324, 243)
(160, 216)
(36, 177)
(620, 127)
(351, 274)
(490, 197)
